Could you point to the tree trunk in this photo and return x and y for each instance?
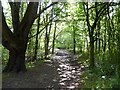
(96, 45)
(46, 43)
(16, 61)
(104, 44)
(99, 27)
(47, 35)
(53, 43)
(47, 39)
(91, 52)
(91, 28)
(74, 44)
(74, 41)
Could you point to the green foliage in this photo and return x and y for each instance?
(4, 55)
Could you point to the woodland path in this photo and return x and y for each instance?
(61, 71)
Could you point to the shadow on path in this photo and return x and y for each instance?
(61, 71)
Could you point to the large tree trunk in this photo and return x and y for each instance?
(16, 60)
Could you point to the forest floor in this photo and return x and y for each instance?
(61, 71)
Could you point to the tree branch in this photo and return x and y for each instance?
(15, 6)
(28, 19)
(87, 17)
(46, 8)
(7, 35)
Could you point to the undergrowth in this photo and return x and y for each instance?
(103, 76)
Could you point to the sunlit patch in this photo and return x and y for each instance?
(73, 77)
(67, 72)
(64, 79)
(58, 69)
(63, 75)
(71, 87)
(82, 66)
(73, 71)
(62, 83)
(50, 86)
(54, 80)
(76, 84)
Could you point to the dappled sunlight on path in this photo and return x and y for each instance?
(68, 69)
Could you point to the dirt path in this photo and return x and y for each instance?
(62, 71)
(42, 76)
(68, 69)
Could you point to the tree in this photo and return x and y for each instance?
(53, 42)
(74, 36)
(47, 34)
(91, 28)
(16, 41)
(38, 26)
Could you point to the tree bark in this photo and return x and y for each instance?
(92, 52)
(105, 34)
(74, 41)
(16, 61)
(99, 27)
(53, 43)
